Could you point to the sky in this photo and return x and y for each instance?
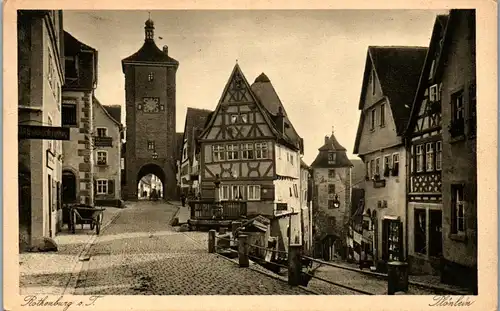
(314, 58)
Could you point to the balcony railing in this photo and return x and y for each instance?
(207, 209)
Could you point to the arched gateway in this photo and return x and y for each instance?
(150, 121)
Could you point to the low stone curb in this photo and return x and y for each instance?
(414, 283)
(80, 266)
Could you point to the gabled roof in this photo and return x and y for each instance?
(149, 53)
(179, 137)
(112, 112)
(73, 46)
(266, 94)
(331, 145)
(303, 164)
(265, 114)
(398, 70)
(440, 24)
(194, 124)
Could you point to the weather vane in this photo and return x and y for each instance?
(149, 14)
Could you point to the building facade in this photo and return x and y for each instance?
(189, 163)
(77, 114)
(251, 146)
(150, 91)
(385, 103)
(457, 69)
(107, 154)
(424, 145)
(331, 174)
(306, 209)
(40, 77)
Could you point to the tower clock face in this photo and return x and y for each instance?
(151, 104)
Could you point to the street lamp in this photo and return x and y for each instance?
(336, 202)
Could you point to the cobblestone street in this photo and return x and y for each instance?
(140, 253)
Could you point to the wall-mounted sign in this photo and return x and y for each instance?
(51, 160)
(43, 132)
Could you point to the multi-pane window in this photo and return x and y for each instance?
(68, 115)
(395, 164)
(332, 157)
(247, 151)
(458, 209)
(387, 164)
(102, 186)
(151, 145)
(224, 192)
(218, 152)
(419, 158)
(439, 155)
(382, 115)
(429, 153)
(261, 150)
(373, 119)
(377, 166)
(237, 192)
(457, 108)
(151, 76)
(232, 152)
(102, 132)
(331, 173)
(254, 192)
(102, 158)
(331, 189)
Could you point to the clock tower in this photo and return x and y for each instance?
(150, 116)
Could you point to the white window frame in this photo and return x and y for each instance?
(458, 111)
(253, 192)
(247, 152)
(218, 153)
(234, 195)
(439, 155)
(101, 128)
(429, 154)
(232, 152)
(419, 153)
(434, 95)
(373, 118)
(105, 157)
(332, 157)
(227, 193)
(395, 159)
(152, 144)
(387, 161)
(382, 115)
(261, 150)
(377, 165)
(102, 184)
(151, 76)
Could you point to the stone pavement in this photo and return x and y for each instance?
(141, 254)
(52, 272)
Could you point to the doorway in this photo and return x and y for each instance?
(435, 233)
(68, 193)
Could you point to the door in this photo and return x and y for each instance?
(435, 233)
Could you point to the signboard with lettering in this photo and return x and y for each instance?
(43, 132)
(51, 161)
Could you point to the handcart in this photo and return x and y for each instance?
(85, 214)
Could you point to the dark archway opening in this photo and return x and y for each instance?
(69, 194)
(151, 183)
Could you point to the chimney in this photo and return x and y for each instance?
(165, 49)
(326, 139)
(280, 120)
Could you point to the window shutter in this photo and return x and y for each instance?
(111, 186)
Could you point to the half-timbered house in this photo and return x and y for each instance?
(189, 163)
(251, 147)
(389, 83)
(424, 145)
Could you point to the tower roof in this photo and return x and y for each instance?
(149, 52)
(331, 145)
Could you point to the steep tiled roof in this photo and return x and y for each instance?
(303, 164)
(439, 27)
(398, 70)
(266, 94)
(74, 46)
(194, 124)
(115, 111)
(331, 145)
(178, 140)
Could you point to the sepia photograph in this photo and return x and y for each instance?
(246, 152)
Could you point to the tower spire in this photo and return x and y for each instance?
(149, 29)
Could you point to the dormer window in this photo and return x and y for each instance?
(332, 157)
